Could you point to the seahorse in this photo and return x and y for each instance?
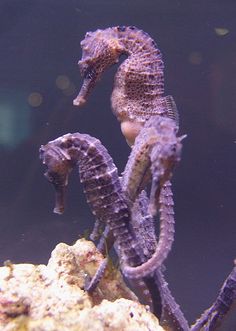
(139, 82)
(101, 184)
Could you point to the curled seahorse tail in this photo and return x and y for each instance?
(166, 238)
(91, 284)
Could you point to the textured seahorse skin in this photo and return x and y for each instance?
(165, 241)
(172, 318)
(153, 287)
(156, 151)
(100, 181)
(139, 82)
(143, 225)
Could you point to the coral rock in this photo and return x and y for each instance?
(50, 298)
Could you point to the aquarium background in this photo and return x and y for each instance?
(39, 77)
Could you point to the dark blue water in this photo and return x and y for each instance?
(39, 50)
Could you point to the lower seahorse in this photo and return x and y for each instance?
(139, 82)
(100, 181)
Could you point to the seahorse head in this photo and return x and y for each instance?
(100, 49)
(58, 169)
(168, 147)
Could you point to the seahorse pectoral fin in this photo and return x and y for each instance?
(171, 109)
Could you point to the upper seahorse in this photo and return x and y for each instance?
(139, 82)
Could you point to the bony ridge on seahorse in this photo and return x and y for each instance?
(139, 82)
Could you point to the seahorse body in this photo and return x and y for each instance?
(139, 82)
(101, 184)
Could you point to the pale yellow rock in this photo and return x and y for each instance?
(121, 315)
(50, 298)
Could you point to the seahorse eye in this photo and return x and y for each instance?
(90, 74)
(55, 178)
(87, 70)
(173, 148)
(49, 177)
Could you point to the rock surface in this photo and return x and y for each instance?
(50, 298)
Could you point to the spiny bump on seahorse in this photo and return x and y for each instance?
(139, 81)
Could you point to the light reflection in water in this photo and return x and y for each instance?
(35, 99)
(14, 118)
